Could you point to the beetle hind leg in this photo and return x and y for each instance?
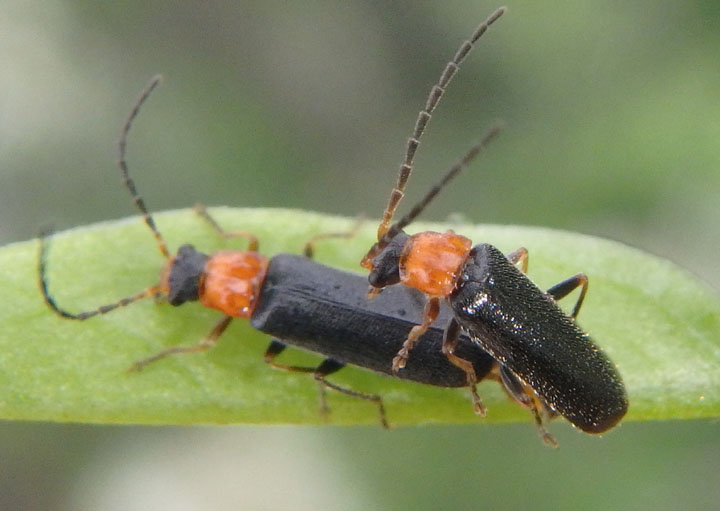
(527, 399)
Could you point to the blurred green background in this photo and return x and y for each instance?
(613, 128)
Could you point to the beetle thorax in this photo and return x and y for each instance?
(432, 262)
(231, 282)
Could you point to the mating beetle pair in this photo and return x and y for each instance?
(515, 331)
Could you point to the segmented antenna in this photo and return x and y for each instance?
(424, 117)
(50, 301)
(122, 163)
(130, 185)
(449, 175)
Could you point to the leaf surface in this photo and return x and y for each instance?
(657, 322)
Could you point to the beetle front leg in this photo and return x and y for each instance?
(202, 212)
(432, 309)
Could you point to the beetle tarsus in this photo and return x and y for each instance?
(400, 359)
(478, 406)
(548, 439)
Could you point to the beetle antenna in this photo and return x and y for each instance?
(122, 163)
(424, 116)
(449, 175)
(103, 309)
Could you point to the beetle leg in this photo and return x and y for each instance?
(432, 309)
(253, 243)
(450, 339)
(208, 342)
(519, 256)
(326, 368)
(547, 438)
(330, 366)
(564, 288)
(273, 350)
(527, 399)
(309, 248)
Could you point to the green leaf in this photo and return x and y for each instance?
(656, 321)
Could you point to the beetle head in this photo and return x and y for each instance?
(385, 265)
(183, 275)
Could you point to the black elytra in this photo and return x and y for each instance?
(325, 310)
(524, 330)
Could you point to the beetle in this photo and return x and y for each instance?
(546, 362)
(294, 299)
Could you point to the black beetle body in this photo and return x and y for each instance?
(524, 330)
(325, 310)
